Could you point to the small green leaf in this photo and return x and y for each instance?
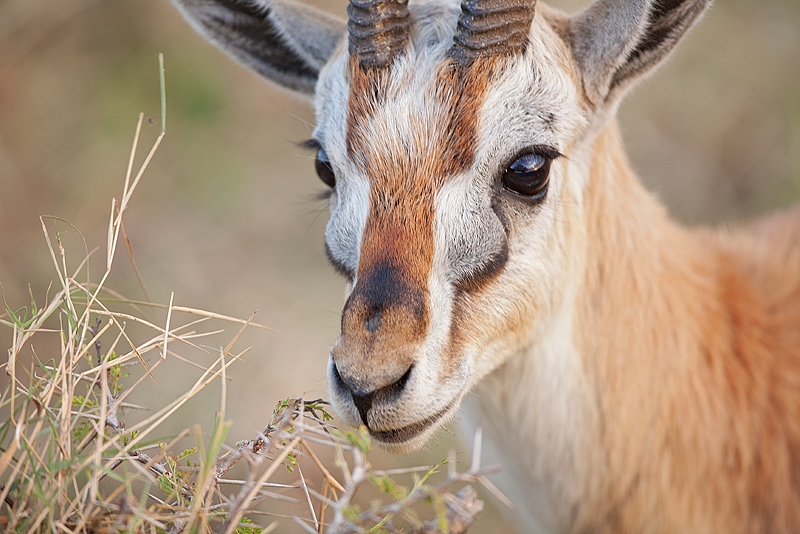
(352, 512)
(81, 431)
(245, 528)
(165, 484)
(441, 512)
(378, 528)
(361, 439)
(389, 486)
(80, 400)
(187, 452)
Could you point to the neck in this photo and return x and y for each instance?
(646, 287)
(585, 402)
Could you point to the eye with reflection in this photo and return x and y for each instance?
(324, 169)
(529, 174)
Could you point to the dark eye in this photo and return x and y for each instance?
(324, 169)
(528, 175)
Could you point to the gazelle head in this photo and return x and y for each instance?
(456, 141)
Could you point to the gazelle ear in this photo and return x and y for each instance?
(616, 42)
(284, 41)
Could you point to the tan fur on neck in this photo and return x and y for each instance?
(689, 350)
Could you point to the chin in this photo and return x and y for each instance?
(413, 437)
(398, 437)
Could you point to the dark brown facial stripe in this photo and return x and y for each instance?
(477, 280)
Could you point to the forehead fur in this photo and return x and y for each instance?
(536, 100)
(401, 114)
(405, 131)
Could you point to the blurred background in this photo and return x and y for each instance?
(228, 216)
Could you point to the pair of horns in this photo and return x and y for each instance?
(379, 29)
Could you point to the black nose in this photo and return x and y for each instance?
(363, 399)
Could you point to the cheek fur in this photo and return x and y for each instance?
(345, 229)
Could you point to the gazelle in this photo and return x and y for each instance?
(638, 376)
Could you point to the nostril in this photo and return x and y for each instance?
(363, 404)
(363, 399)
(347, 386)
(347, 383)
(338, 378)
(400, 385)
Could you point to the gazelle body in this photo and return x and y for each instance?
(638, 376)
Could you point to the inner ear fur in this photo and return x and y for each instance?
(284, 41)
(616, 42)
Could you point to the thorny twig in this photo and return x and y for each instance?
(461, 509)
(297, 420)
(286, 413)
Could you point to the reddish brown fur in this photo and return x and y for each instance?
(693, 344)
(399, 228)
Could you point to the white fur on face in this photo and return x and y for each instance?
(534, 103)
(345, 227)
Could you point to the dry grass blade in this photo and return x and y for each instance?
(70, 461)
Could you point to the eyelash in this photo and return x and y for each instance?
(322, 164)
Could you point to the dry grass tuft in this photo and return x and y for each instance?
(70, 463)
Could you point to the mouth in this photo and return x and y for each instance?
(408, 433)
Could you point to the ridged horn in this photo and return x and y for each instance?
(492, 27)
(378, 30)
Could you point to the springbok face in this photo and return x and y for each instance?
(443, 216)
(453, 140)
